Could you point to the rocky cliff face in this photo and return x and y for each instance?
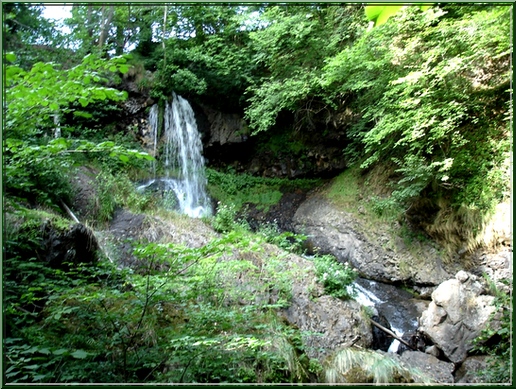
(339, 233)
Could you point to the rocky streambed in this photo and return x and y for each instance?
(436, 320)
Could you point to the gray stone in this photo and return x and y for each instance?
(432, 350)
(467, 373)
(330, 323)
(439, 371)
(371, 252)
(224, 127)
(462, 276)
(457, 314)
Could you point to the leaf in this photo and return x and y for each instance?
(123, 158)
(388, 11)
(11, 57)
(83, 101)
(83, 114)
(60, 351)
(54, 106)
(80, 354)
(373, 11)
(112, 68)
(123, 69)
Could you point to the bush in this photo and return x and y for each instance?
(286, 240)
(336, 278)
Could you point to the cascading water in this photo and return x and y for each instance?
(154, 125)
(182, 157)
(394, 306)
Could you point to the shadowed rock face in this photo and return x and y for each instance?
(76, 245)
(341, 234)
(457, 314)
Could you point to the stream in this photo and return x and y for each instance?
(394, 307)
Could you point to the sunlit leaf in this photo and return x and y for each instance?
(11, 57)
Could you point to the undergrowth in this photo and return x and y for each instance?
(206, 316)
(239, 189)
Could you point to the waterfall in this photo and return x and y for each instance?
(182, 157)
(153, 124)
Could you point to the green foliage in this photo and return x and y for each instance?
(286, 240)
(38, 164)
(419, 81)
(117, 191)
(293, 49)
(239, 189)
(337, 278)
(226, 219)
(32, 100)
(495, 340)
(188, 318)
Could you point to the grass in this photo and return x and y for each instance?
(365, 366)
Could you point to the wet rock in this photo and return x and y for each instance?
(381, 341)
(467, 373)
(457, 314)
(341, 234)
(439, 371)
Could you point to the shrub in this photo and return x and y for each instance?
(336, 278)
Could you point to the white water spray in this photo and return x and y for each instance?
(154, 123)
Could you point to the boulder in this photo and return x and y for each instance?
(467, 373)
(330, 323)
(438, 371)
(457, 314)
(372, 253)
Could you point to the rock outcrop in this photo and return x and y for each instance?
(330, 323)
(220, 127)
(339, 233)
(459, 311)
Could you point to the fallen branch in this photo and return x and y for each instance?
(389, 332)
(69, 212)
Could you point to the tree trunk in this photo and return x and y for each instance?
(105, 24)
(163, 36)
